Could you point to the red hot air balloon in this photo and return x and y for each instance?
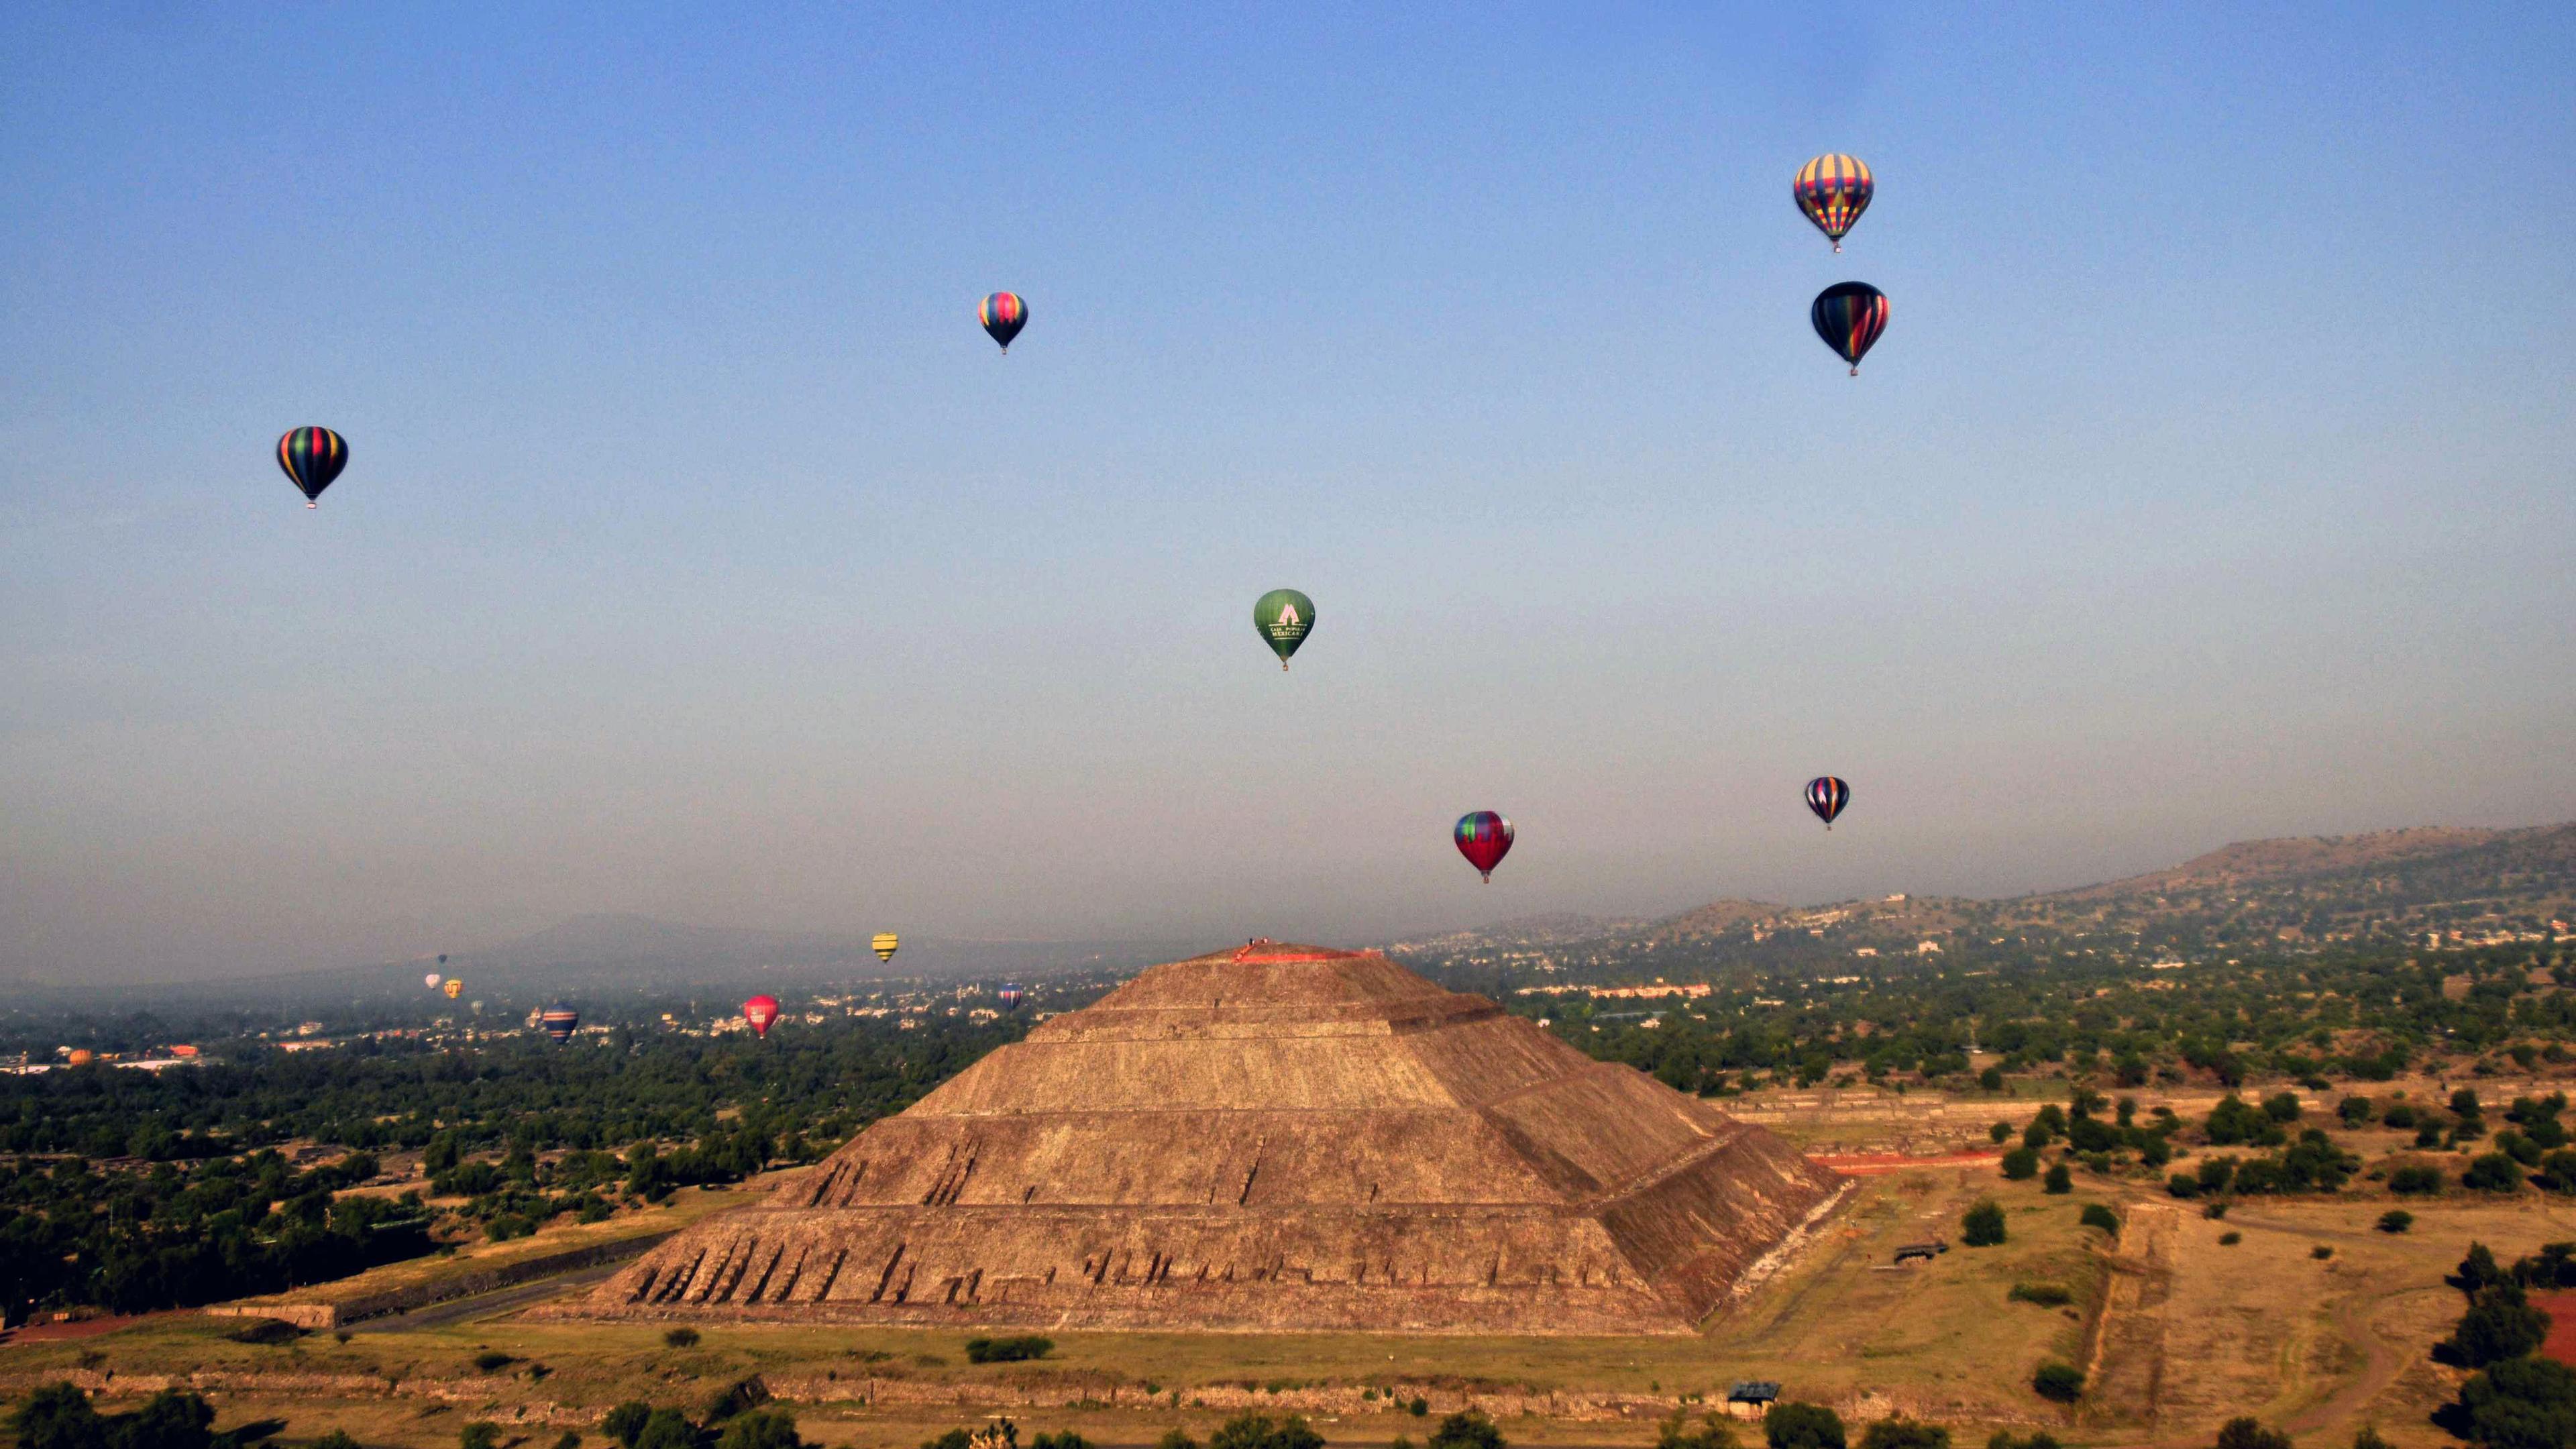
(1003, 315)
(760, 1011)
(1484, 838)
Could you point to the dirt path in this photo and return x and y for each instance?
(487, 1305)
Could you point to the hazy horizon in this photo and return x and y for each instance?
(699, 559)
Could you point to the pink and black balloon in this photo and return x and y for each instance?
(1484, 838)
(1827, 796)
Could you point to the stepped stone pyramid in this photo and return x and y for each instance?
(1264, 1138)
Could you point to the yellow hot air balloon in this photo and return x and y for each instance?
(885, 944)
(455, 988)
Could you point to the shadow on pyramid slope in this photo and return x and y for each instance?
(1265, 1138)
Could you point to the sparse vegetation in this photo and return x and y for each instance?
(1008, 1350)
(2061, 1382)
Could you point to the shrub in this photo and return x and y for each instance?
(2003, 1439)
(479, 1435)
(2021, 1163)
(625, 1422)
(2183, 1185)
(2320, 1252)
(1061, 1439)
(568, 1439)
(2246, 1434)
(1711, 1432)
(2415, 1180)
(1260, 1431)
(667, 1429)
(2354, 1110)
(2396, 1220)
(1802, 1426)
(1017, 1349)
(1900, 1432)
(2046, 1295)
(2230, 1238)
(2399, 1116)
(339, 1439)
(681, 1338)
(764, 1429)
(2493, 1172)
(269, 1332)
(1418, 1407)
(2000, 1132)
(1176, 1439)
(1981, 1227)
(1466, 1430)
(2096, 1215)
(2059, 1180)
(2369, 1438)
(2060, 1382)
(492, 1360)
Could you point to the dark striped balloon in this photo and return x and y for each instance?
(1003, 315)
(1849, 316)
(312, 457)
(1827, 796)
(559, 1021)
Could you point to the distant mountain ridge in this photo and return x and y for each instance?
(2464, 886)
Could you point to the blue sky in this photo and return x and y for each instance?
(699, 557)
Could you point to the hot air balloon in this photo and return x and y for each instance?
(1849, 316)
(760, 1011)
(1833, 191)
(83, 1056)
(1003, 315)
(1283, 618)
(432, 980)
(1484, 838)
(455, 987)
(312, 457)
(1010, 994)
(1827, 796)
(886, 944)
(559, 1021)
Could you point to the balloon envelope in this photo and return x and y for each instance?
(455, 988)
(432, 981)
(1484, 838)
(1849, 316)
(760, 1011)
(1827, 796)
(886, 944)
(1833, 191)
(1283, 617)
(1010, 994)
(560, 1021)
(1003, 315)
(312, 457)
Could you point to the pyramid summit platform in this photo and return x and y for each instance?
(1268, 1137)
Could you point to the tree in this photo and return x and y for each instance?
(2476, 1271)
(2499, 1325)
(2061, 1382)
(2095, 1215)
(1981, 1227)
(1899, 1432)
(481, 1434)
(667, 1429)
(2001, 1132)
(2396, 1220)
(1802, 1426)
(2247, 1434)
(2282, 1107)
(2416, 1180)
(2523, 1403)
(1469, 1429)
(1992, 1079)
(2059, 1180)
(2020, 1164)
(58, 1416)
(2355, 1111)
(1176, 1439)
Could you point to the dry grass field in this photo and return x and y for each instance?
(2178, 1329)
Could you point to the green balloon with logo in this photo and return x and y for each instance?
(1284, 617)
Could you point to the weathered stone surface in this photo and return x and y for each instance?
(1276, 1138)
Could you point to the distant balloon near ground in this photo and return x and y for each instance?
(312, 457)
(1849, 316)
(1833, 191)
(561, 1022)
(1283, 617)
(1003, 315)
(1484, 838)
(1010, 994)
(885, 945)
(1827, 796)
(760, 1011)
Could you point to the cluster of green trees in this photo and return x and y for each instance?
(141, 1190)
(2515, 1399)
(60, 1416)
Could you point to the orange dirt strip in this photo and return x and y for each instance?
(1873, 1164)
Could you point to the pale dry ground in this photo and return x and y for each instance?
(2196, 1331)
